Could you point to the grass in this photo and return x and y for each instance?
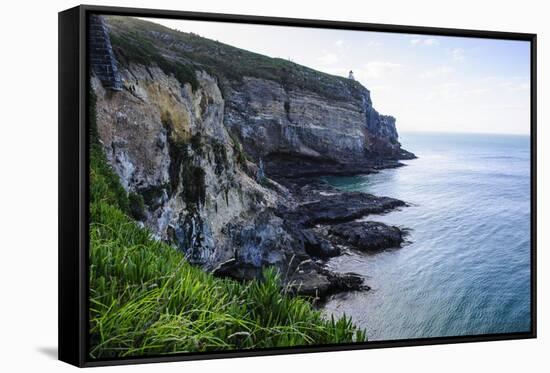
(146, 299)
(240, 155)
(133, 47)
(138, 40)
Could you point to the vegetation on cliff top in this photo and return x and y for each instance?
(134, 48)
(146, 42)
(146, 299)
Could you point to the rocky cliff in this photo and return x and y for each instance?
(302, 129)
(168, 144)
(206, 138)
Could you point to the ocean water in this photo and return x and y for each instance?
(465, 269)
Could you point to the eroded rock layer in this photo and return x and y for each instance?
(216, 144)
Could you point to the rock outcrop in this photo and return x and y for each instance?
(216, 141)
(368, 235)
(173, 150)
(305, 132)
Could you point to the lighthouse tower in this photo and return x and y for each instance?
(350, 76)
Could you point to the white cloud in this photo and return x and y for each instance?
(328, 59)
(436, 72)
(457, 54)
(339, 43)
(424, 41)
(380, 88)
(373, 44)
(509, 107)
(377, 69)
(445, 92)
(515, 85)
(478, 91)
(511, 84)
(431, 41)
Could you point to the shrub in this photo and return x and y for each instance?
(136, 48)
(136, 206)
(238, 151)
(134, 38)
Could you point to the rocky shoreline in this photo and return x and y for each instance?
(221, 151)
(326, 221)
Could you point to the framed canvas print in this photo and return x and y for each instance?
(235, 186)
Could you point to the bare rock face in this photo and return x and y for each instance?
(289, 126)
(168, 144)
(209, 136)
(270, 120)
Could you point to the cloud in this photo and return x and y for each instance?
(515, 85)
(457, 54)
(377, 69)
(512, 84)
(380, 88)
(449, 91)
(328, 59)
(339, 43)
(373, 44)
(509, 107)
(477, 91)
(436, 72)
(428, 42)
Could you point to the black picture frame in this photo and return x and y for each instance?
(73, 180)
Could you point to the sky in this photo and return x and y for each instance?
(429, 83)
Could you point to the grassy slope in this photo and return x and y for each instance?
(181, 53)
(146, 299)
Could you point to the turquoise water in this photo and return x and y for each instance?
(466, 267)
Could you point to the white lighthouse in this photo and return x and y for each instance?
(350, 76)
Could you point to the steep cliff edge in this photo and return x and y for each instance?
(169, 147)
(279, 110)
(204, 135)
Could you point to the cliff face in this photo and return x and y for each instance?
(193, 126)
(295, 129)
(271, 120)
(168, 144)
(275, 107)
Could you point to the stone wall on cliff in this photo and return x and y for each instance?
(101, 56)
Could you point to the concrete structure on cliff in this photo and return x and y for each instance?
(102, 60)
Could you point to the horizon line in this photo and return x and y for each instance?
(464, 133)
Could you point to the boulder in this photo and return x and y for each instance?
(318, 247)
(332, 208)
(313, 280)
(368, 235)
